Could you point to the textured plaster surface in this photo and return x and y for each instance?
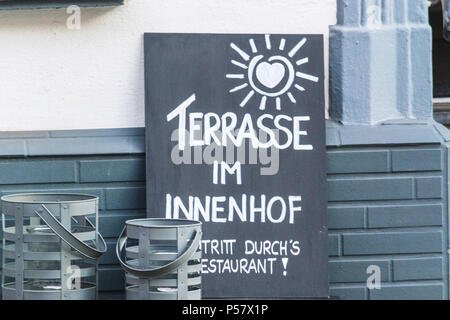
(52, 77)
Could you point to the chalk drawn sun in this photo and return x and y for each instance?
(271, 76)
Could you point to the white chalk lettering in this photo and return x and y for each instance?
(242, 266)
(272, 248)
(298, 133)
(222, 209)
(211, 124)
(180, 112)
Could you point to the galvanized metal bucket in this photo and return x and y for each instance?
(50, 248)
(162, 259)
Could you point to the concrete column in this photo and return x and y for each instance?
(380, 62)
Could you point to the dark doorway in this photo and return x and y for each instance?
(441, 65)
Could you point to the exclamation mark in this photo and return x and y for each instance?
(285, 262)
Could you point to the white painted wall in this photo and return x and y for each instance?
(55, 78)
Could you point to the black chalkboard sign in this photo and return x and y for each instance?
(235, 136)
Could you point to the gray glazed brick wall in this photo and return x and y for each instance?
(377, 216)
(388, 199)
(387, 208)
(117, 180)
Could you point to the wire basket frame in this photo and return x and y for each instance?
(50, 247)
(162, 259)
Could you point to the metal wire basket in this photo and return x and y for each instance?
(50, 248)
(162, 259)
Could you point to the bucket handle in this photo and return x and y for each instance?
(68, 237)
(156, 271)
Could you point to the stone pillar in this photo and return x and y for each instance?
(381, 62)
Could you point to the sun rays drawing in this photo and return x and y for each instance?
(272, 76)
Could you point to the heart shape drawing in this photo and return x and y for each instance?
(270, 75)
